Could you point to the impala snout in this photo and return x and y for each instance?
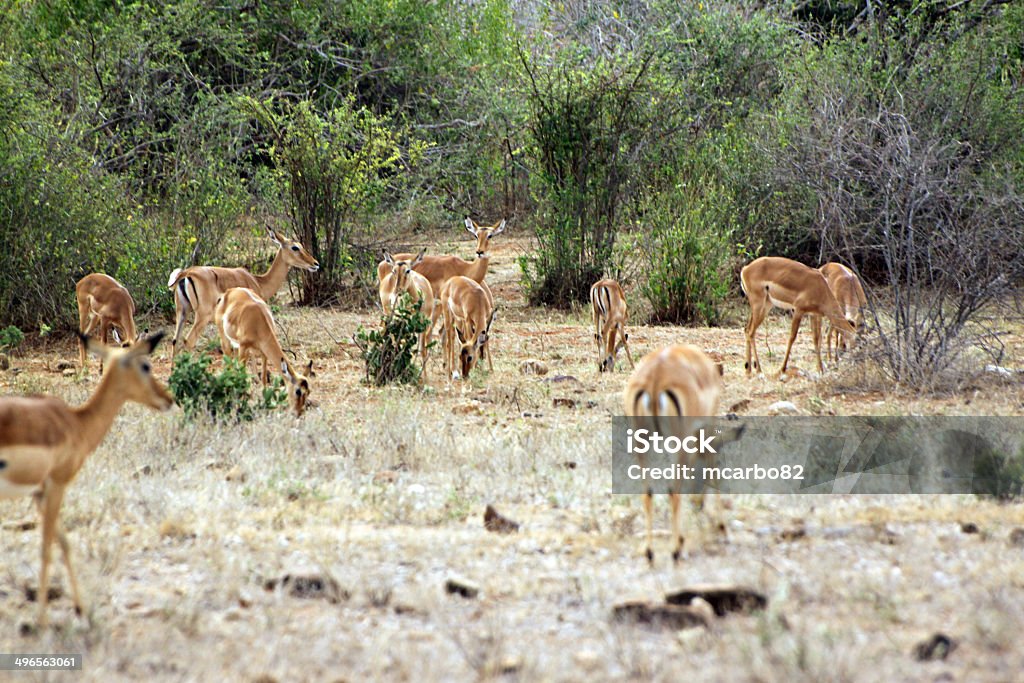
(315, 267)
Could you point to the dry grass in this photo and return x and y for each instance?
(176, 528)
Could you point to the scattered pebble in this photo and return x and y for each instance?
(723, 598)
(659, 615)
(783, 408)
(533, 366)
(939, 646)
(497, 523)
(462, 587)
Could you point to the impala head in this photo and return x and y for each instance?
(483, 234)
(400, 270)
(131, 370)
(294, 254)
(298, 385)
(607, 363)
(472, 341)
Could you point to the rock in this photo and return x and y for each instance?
(497, 523)
(1017, 537)
(533, 366)
(793, 533)
(309, 586)
(659, 615)
(723, 598)
(783, 408)
(562, 378)
(52, 593)
(563, 403)
(65, 365)
(69, 372)
(236, 473)
(937, 647)
(5, 362)
(999, 370)
(587, 659)
(143, 471)
(385, 477)
(969, 527)
(740, 405)
(463, 587)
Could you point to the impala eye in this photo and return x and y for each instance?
(295, 247)
(146, 367)
(298, 392)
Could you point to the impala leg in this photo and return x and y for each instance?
(181, 309)
(486, 350)
(49, 502)
(677, 531)
(757, 313)
(816, 336)
(625, 345)
(197, 329)
(649, 517)
(65, 549)
(793, 329)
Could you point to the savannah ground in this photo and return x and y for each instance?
(177, 529)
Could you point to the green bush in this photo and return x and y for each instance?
(223, 396)
(11, 338)
(390, 352)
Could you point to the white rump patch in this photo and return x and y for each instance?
(174, 276)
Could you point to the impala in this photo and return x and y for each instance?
(673, 382)
(402, 279)
(609, 304)
(467, 324)
(44, 442)
(197, 289)
(438, 269)
(104, 304)
(849, 293)
(773, 281)
(246, 326)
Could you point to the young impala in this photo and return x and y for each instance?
(673, 382)
(104, 305)
(849, 293)
(467, 324)
(246, 326)
(771, 280)
(609, 307)
(44, 442)
(402, 279)
(197, 289)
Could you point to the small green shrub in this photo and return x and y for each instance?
(223, 396)
(390, 352)
(11, 338)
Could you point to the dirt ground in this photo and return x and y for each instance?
(319, 549)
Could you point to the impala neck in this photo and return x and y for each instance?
(478, 268)
(96, 415)
(272, 280)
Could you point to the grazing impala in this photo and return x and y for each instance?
(402, 279)
(771, 280)
(44, 442)
(609, 304)
(467, 324)
(846, 288)
(674, 382)
(104, 304)
(197, 289)
(246, 326)
(438, 269)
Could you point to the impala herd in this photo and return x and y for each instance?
(44, 442)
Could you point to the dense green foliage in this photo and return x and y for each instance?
(222, 396)
(390, 351)
(652, 140)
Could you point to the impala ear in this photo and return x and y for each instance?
(274, 237)
(94, 346)
(721, 369)
(309, 369)
(471, 226)
(490, 320)
(500, 229)
(388, 258)
(146, 345)
(419, 259)
(287, 371)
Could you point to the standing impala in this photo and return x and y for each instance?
(104, 304)
(438, 269)
(849, 293)
(402, 279)
(44, 442)
(467, 324)
(609, 304)
(774, 281)
(246, 326)
(197, 288)
(674, 382)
